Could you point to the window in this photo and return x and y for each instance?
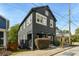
(29, 20)
(44, 21)
(21, 28)
(41, 19)
(51, 23)
(24, 25)
(46, 12)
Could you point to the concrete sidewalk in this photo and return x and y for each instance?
(71, 52)
(46, 52)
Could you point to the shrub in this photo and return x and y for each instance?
(56, 43)
(12, 46)
(13, 37)
(42, 43)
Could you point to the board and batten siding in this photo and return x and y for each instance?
(25, 29)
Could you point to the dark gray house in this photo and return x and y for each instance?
(40, 22)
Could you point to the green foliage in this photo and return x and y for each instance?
(77, 31)
(65, 31)
(13, 33)
(56, 43)
(75, 38)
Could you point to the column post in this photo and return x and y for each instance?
(32, 42)
(5, 40)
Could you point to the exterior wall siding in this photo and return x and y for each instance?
(38, 28)
(24, 31)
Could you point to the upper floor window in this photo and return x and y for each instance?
(46, 12)
(24, 25)
(29, 20)
(21, 28)
(41, 19)
(51, 23)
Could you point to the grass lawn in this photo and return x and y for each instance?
(20, 51)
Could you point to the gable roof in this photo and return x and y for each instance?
(1, 17)
(34, 9)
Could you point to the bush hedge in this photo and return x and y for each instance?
(56, 43)
(42, 43)
(12, 46)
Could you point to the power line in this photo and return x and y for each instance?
(62, 17)
(74, 22)
(75, 18)
(58, 17)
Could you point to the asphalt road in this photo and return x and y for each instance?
(71, 52)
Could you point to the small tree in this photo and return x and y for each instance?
(13, 38)
(75, 37)
(13, 33)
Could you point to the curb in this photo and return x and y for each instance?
(60, 51)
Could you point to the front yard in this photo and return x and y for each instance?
(44, 52)
(4, 52)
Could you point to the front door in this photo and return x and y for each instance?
(1, 39)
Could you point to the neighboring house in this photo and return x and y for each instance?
(40, 22)
(60, 34)
(4, 25)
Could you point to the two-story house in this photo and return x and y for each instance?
(4, 25)
(40, 22)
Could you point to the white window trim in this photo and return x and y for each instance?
(44, 18)
(51, 22)
(29, 20)
(24, 25)
(46, 12)
(21, 28)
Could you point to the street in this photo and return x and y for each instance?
(71, 52)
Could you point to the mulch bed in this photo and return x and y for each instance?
(5, 53)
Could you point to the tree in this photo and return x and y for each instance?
(75, 37)
(13, 33)
(65, 31)
(77, 31)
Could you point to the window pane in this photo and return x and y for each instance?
(41, 19)
(46, 12)
(51, 23)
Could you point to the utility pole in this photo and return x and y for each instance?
(69, 25)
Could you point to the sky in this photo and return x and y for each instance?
(16, 12)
